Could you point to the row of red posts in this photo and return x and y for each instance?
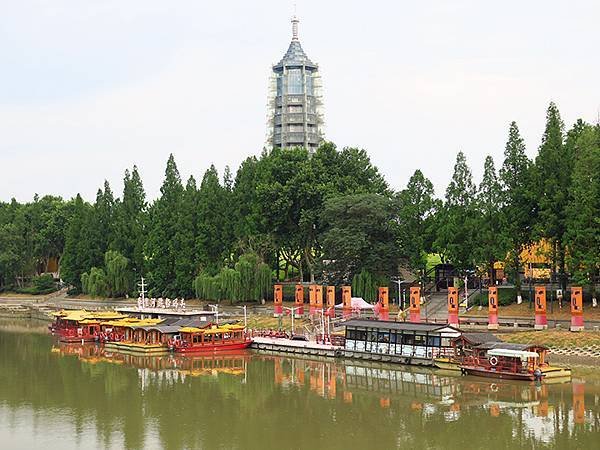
(315, 295)
(382, 308)
(541, 321)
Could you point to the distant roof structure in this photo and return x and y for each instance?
(508, 346)
(400, 326)
(480, 338)
(295, 56)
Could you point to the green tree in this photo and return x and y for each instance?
(455, 237)
(160, 249)
(213, 242)
(416, 207)
(130, 224)
(117, 274)
(582, 237)
(360, 233)
(489, 237)
(553, 166)
(184, 241)
(78, 257)
(518, 200)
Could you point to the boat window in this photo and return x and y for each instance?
(351, 333)
(408, 339)
(419, 340)
(392, 337)
(383, 336)
(361, 335)
(433, 341)
(446, 342)
(372, 335)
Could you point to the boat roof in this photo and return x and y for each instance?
(508, 346)
(165, 329)
(81, 314)
(480, 337)
(401, 326)
(512, 353)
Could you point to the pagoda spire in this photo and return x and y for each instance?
(295, 22)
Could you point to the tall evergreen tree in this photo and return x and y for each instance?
(518, 200)
(160, 250)
(490, 242)
(78, 256)
(553, 177)
(130, 223)
(416, 210)
(184, 241)
(213, 243)
(455, 239)
(583, 211)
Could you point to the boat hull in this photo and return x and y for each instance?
(447, 364)
(199, 349)
(480, 372)
(137, 348)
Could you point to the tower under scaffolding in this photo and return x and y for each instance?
(295, 106)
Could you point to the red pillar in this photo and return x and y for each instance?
(541, 323)
(453, 306)
(576, 309)
(493, 308)
(415, 305)
(278, 300)
(299, 301)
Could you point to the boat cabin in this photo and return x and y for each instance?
(211, 337)
(506, 360)
(421, 340)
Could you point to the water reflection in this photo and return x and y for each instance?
(79, 396)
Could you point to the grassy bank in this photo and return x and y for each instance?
(554, 338)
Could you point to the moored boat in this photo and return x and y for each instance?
(80, 325)
(512, 361)
(210, 339)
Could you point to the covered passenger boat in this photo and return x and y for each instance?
(210, 338)
(80, 325)
(462, 346)
(504, 360)
(403, 342)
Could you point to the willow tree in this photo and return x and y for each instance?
(246, 266)
(230, 284)
(262, 281)
(117, 273)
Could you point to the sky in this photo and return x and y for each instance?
(90, 88)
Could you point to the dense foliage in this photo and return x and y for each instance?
(326, 217)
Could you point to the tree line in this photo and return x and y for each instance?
(329, 217)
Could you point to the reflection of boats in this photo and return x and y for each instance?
(511, 361)
(232, 363)
(210, 339)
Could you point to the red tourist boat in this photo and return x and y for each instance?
(509, 361)
(79, 325)
(210, 339)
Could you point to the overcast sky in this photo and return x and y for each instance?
(90, 88)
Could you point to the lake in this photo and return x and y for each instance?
(55, 396)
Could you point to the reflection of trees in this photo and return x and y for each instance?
(253, 411)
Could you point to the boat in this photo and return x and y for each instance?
(209, 339)
(79, 325)
(509, 361)
(462, 346)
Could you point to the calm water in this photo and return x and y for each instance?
(61, 397)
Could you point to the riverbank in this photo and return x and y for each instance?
(525, 310)
(560, 342)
